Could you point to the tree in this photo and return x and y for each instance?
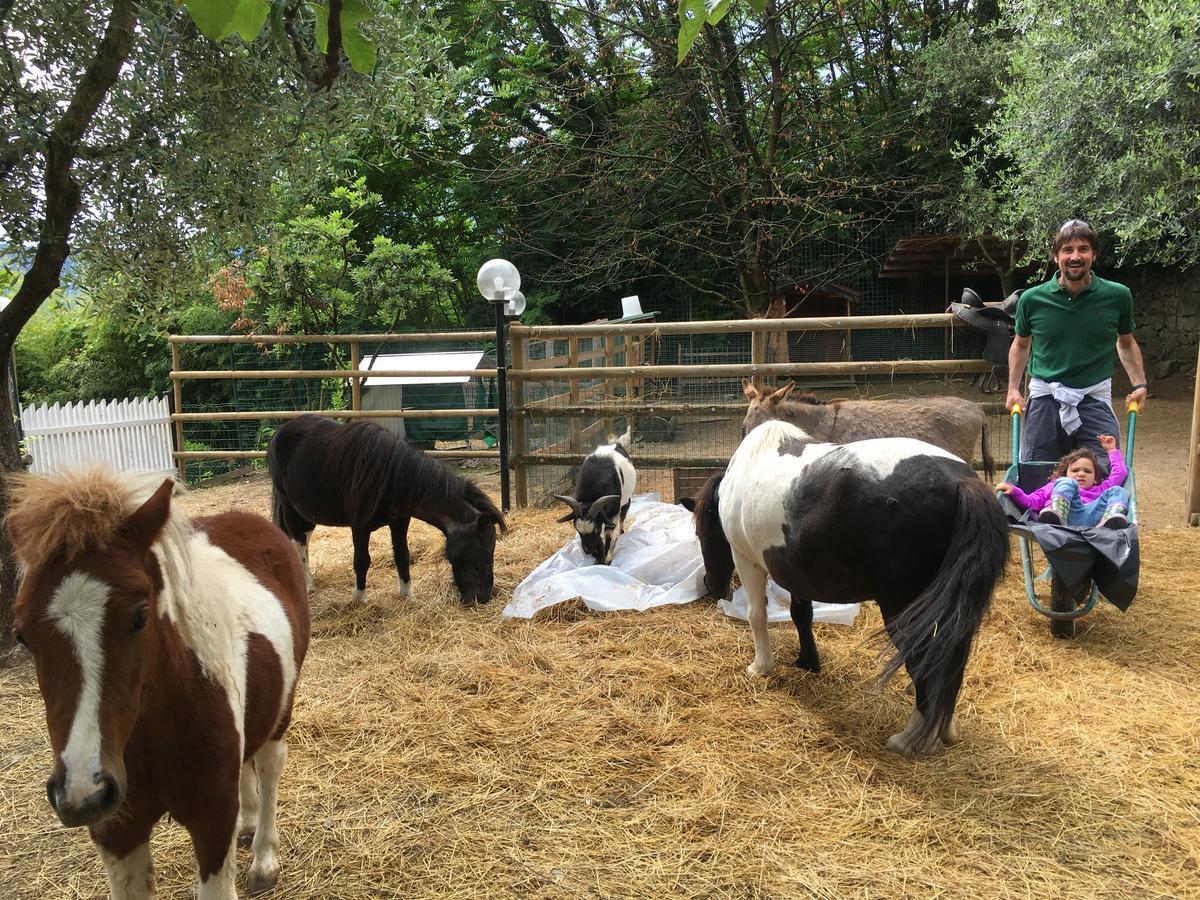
(1096, 115)
(97, 129)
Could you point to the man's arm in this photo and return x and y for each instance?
(1131, 358)
(1018, 358)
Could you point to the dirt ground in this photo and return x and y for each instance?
(438, 751)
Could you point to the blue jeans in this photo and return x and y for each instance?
(1087, 515)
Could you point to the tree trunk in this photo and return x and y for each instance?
(62, 202)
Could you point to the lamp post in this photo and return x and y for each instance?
(500, 284)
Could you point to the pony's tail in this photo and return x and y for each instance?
(933, 635)
(714, 546)
(989, 464)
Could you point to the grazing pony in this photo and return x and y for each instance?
(603, 492)
(362, 476)
(951, 423)
(167, 651)
(895, 520)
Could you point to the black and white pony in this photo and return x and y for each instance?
(895, 520)
(361, 476)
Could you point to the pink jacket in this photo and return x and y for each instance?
(1040, 498)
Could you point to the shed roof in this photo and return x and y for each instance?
(428, 364)
(937, 254)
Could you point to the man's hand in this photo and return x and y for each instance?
(1014, 398)
(1137, 396)
(1107, 441)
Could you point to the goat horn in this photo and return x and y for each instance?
(598, 505)
(573, 503)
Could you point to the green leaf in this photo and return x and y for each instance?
(692, 14)
(360, 49)
(716, 10)
(249, 17)
(213, 17)
(758, 5)
(321, 30)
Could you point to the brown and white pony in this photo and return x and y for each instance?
(167, 652)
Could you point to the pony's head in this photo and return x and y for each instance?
(87, 611)
(596, 525)
(714, 548)
(471, 547)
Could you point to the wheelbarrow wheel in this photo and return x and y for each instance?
(1064, 599)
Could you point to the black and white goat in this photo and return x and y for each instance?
(602, 494)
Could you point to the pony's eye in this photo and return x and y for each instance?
(140, 616)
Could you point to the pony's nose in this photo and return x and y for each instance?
(87, 811)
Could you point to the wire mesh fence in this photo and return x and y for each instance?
(676, 387)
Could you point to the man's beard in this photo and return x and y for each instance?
(1076, 274)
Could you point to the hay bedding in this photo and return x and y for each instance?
(438, 751)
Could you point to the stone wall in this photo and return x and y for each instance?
(1166, 308)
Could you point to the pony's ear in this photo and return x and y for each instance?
(781, 393)
(146, 522)
(688, 503)
(488, 520)
(750, 389)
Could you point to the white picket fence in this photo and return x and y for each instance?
(130, 435)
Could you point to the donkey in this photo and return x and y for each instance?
(603, 492)
(360, 475)
(167, 651)
(951, 423)
(895, 520)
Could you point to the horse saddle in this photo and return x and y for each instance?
(995, 320)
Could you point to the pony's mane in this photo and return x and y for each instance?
(706, 514)
(66, 514)
(383, 459)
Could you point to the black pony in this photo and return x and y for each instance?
(361, 476)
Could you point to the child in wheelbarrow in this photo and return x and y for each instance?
(1072, 496)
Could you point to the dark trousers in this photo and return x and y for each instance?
(1044, 440)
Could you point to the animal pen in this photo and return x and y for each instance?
(677, 384)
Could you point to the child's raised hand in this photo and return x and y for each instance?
(1107, 441)
(1004, 487)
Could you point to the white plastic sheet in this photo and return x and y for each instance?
(657, 563)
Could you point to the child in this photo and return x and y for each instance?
(1072, 496)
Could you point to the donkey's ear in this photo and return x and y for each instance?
(147, 521)
(688, 503)
(750, 390)
(781, 393)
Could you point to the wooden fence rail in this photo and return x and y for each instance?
(616, 390)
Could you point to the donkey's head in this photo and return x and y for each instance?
(764, 404)
(596, 525)
(86, 610)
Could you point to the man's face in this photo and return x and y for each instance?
(1075, 259)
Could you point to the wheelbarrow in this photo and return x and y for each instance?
(1080, 561)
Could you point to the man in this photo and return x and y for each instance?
(1065, 331)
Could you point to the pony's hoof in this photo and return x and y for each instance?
(808, 665)
(950, 734)
(754, 670)
(261, 879)
(904, 745)
(358, 596)
(404, 588)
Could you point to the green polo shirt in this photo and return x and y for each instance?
(1074, 337)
